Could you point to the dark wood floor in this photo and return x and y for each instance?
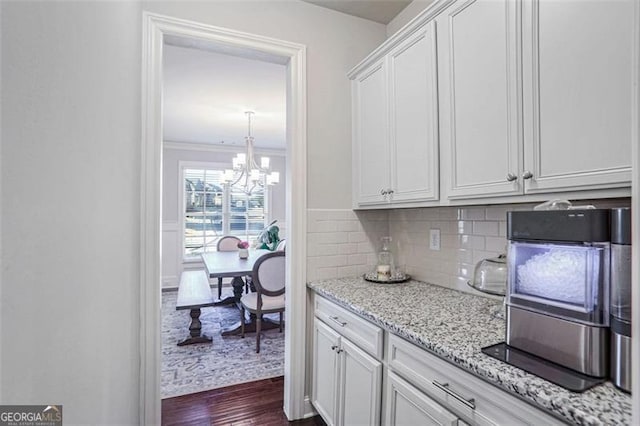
(255, 403)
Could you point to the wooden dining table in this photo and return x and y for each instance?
(228, 264)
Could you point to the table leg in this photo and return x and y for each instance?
(194, 329)
(238, 284)
(250, 327)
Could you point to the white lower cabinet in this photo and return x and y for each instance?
(325, 371)
(419, 387)
(405, 405)
(347, 382)
(471, 399)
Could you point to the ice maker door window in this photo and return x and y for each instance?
(569, 278)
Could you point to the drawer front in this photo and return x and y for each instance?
(366, 335)
(476, 401)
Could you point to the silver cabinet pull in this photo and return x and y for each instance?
(471, 403)
(511, 177)
(527, 175)
(383, 192)
(337, 321)
(390, 191)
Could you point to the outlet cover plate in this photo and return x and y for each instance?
(434, 239)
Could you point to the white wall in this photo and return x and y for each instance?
(407, 14)
(70, 177)
(70, 207)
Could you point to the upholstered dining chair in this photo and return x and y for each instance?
(268, 280)
(226, 243)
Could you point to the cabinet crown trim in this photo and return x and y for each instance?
(399, 36)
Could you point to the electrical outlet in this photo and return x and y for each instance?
(434, 239)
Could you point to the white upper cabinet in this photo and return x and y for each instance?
(370, 135)
(480, 132)
(577, 87)
(489, 101)
(413, 120)
(395, 112)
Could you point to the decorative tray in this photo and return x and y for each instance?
(371, 277)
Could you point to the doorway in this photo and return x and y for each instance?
(217, 107)
(156, 30)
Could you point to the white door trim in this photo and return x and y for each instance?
(155, 28)
(635, 220)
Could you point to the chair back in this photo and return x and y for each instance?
(228, 243)
(282, 245)
(269, 273)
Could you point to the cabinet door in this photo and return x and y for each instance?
(480, 130)
(325, 371)
(413, 100)
(360, 386)
(578, 88)
(407, 406)
(370, 138)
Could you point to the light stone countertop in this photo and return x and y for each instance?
(455, 326)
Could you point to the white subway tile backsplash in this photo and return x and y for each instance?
(321, 249)
(350, 248)
(326, 273)
(345, 243)
(471, 213)
(322, 226)
(357, 237)
(339, 215)
(357, 259)
(485, 228)
(348, 226)
(468, 234)
(497, 212)
(475, 242)
(496, 244)
(502, 229)
(462, 227)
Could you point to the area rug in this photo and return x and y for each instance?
(226, 361)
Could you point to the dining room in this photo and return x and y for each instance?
(224, 180)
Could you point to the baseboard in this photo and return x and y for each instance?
(308, 410)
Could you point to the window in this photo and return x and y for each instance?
(212, 210)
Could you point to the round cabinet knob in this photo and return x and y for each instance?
(511, 177)
(527, 175)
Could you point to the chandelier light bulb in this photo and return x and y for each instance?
(264, 162)
(273, 178)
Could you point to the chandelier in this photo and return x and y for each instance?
(246, 174)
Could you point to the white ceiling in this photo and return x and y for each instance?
(382, 11)
(206, 93)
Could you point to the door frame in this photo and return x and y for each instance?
(155, 28)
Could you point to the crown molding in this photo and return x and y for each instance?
(194, 146)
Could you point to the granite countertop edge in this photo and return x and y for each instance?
(562, 404)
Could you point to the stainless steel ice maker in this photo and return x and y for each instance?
(558, 287)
